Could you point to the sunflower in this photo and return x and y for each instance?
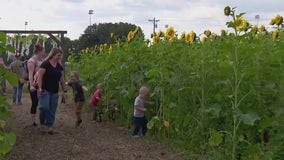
(241, 24)
(136, 30)
(245, 25)
(207, 32)
(165, 124)
(187, 38)
(274, 34)
(101, 47)
(182, 36)
(110, 49)
(278, 20)
(87, 50)
(254, 30)
(227, 11)
(170, 33)
(213, 37)
(111, 35)
(130, 36)
(272, 22)
(160, 34)
(262, 28)
(223, 33)
(203, 40)
(191, 37)
(155, 39)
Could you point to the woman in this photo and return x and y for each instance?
(50, 74)
(33, 66)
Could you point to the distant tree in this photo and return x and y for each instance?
(100, 34)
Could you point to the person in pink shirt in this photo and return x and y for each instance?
(33, 66)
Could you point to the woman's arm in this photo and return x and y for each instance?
(62, 82)
(41, 72)
(31, 69)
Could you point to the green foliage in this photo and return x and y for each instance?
(7, 139)
(222, 99)
(97, 34)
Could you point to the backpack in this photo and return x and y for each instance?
(24, 72)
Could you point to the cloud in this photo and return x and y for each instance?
(73, 1)
(183, 15)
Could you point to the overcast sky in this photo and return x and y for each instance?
(183, 15)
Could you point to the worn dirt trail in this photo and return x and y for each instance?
(91, 141)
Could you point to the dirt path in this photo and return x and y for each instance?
(91, 141)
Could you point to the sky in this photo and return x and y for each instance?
(183, 15)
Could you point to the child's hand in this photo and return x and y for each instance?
(151, 103)
(68, 82)
(85, 88)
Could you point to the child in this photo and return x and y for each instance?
(95, 99)
(139, 119)
(79, 98)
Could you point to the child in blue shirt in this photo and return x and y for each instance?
(139, 119)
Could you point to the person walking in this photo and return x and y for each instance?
(50, 74)
(33, 66)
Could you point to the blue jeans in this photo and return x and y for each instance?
(139, 122)
(47, 107)
(17, 92)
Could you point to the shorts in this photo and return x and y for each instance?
(79, 106)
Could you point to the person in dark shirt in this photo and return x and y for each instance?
(78, 93)
(50, 74)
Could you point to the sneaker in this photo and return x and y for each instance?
(135, 136)
(50, 131)
(20, 103)
(43, 129)
(78, 123)
(14, 103)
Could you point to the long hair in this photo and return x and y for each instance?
(52, 53)
(38, 48)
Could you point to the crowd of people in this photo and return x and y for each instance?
(45, 75)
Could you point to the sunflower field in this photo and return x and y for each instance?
(217, 96)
